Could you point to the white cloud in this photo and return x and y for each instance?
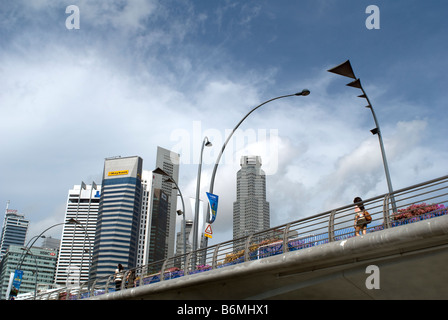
(134, 78)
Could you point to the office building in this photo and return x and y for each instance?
(145, 214)
(76, 246)
(250, 210)
(15, 228)
(38, 268)
(117, 232)
(180, 238)
(160, 214)
(51, 243)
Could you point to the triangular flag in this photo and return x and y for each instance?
(344, 69)
(355, 84)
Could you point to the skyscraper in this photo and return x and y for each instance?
(76, 246)
(116, 237)
(250, 210)
(43, 259)
(161, 209)
(15, 228)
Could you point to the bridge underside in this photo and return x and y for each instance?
(411, 262)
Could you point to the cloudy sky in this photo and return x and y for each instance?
(138, 74)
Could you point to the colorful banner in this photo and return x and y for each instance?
(16, 281)
(213, 200)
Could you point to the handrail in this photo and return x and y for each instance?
(328, 226)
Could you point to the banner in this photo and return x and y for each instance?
(15, 286)
(213, 200)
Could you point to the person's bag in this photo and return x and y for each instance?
(368, 216)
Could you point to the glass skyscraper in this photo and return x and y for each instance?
(116, 237)
(160, 207)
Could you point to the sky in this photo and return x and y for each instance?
(137, 74)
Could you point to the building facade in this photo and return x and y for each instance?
(161, 207)
(38, 268)
(117, 232)
(250, 210)
(75, 254)
(15, 228)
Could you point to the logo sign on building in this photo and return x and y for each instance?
(118, 173)
(213, 201)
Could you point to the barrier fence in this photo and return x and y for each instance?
(418, 202)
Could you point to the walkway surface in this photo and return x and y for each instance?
(405, 262)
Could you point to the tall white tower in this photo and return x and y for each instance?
(250, 210)
(75, 252)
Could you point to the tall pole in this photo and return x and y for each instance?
(383, 152)
(198, 186)
(304, 92)
(345, 69)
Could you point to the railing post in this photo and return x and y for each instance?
(79, 291)
(187, 263)
(92, 289)
(331, 226)
(106, 290)
(386, 216)
(163, 270)
(215, 257)
(285, 238)
(246, 248)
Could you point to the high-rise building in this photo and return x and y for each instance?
(250, 210)
(75, 254)
(142, 256)
(161, 208)
(51, 243)
(38, 268)
(117, 232)
(15, 228)
(180, 238)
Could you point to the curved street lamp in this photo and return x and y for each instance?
(345, 69)
(304, 93)
(28, 245)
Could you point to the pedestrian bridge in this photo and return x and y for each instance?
(403, 255)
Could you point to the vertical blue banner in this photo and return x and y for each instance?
(213, 200)
(16, 281)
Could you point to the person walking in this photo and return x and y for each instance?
(362, 217)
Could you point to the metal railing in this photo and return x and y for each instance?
(418, 202)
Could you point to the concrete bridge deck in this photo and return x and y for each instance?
(409, 262)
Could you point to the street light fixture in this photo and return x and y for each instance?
(345, 69)
(28, 245)
(304, 92)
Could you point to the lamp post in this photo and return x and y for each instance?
(345, 69)
(304, 92)
(205, 143)
(28, 245)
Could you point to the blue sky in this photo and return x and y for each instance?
(141, 74)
